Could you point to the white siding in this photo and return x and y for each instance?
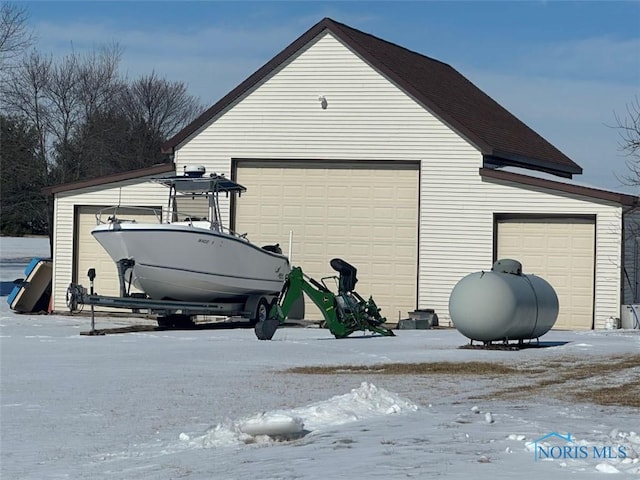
(137, 192)
(369, 118)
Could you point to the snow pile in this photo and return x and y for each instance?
(361, 403)
(364, 402)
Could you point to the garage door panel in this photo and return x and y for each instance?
(404, 214)
(403, 233)
(360, 192)
(535, 264)
(558, 282)
(581, 296)
(381, 250)
(268, 230)
(270, 190)
(562, 252)
(311, 190)
(360, 231)
(582, 243)
(561, 263)
(578, 264)
(367, 216)
(534, 241)
(360, 212)
(556, 243)
(289, 210)
(382, 232)
(313, 211)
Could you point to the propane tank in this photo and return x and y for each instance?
(503, 304)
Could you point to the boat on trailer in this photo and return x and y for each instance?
(190, 257)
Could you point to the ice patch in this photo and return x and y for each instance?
(364, 402)
(275, 425)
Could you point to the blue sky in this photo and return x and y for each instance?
(564, 68)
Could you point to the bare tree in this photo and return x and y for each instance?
(98, 79)
(26, 95)
(629, 130)
(15, 37)
(57, 98)
(82, 88)
(62, 97)
(162, 106)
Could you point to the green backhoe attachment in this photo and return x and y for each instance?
(344, 312)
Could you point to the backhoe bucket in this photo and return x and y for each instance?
(266, 329)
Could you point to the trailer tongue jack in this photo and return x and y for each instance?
(344, 312)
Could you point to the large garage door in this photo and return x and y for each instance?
(365, 214)
(561, 251)
(90, 254)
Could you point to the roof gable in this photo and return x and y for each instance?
(500, 136)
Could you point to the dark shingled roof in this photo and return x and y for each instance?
(158, 169)
(501, 137)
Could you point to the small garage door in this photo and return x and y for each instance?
(366, 214)
(90, 254)
(560, 250)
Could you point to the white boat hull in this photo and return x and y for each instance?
(192, 264)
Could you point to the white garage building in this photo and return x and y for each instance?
(390, 160)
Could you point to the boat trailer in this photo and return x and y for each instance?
(171, 313)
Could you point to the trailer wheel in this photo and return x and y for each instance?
(261, 313)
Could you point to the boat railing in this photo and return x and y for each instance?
(128, 214)
(122, 214)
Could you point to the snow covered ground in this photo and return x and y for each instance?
(190, 404)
